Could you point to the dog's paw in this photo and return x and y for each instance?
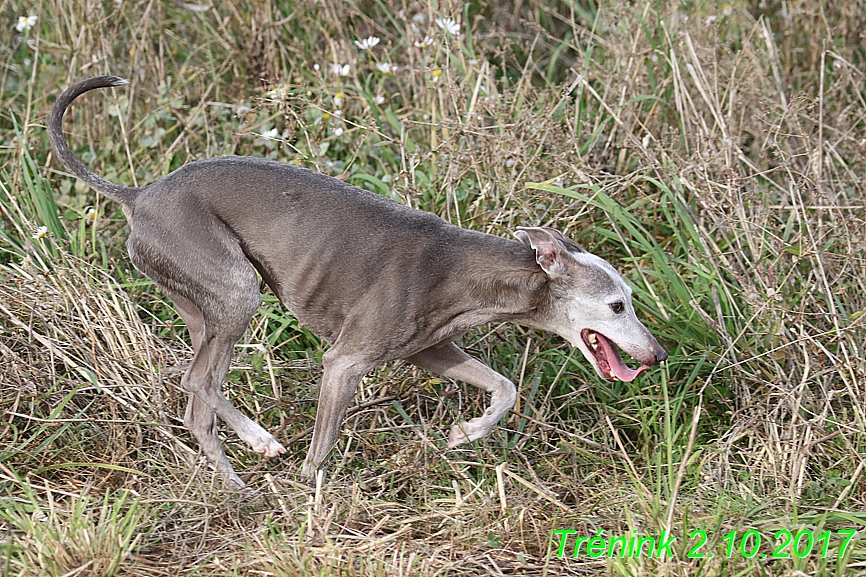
(259, 440)
(271, 449)
(308, 473)
(466, 432)
(265, 445)
(457, 436)
(233, 482)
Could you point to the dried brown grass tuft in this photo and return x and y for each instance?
(78, 358)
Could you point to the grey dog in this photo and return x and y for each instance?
(378, 280)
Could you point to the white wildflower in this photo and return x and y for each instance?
(379, 99)
(341, 69)
(386, 67)
(278, 93)
(423, 43)
(41, 232)
(193, 7)
(271, 134)
(367, 43)
(448, 25)
(25, 23)
(90, 215)
(316, 67)
(338, 99)
(338, 131)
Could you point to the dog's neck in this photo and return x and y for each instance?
(510, 285)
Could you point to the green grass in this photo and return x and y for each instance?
(713, 153)
(76, 535)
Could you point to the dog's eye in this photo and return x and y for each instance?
(617, 307)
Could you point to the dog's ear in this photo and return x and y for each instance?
(551, 253)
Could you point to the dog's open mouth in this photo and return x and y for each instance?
(607, 356)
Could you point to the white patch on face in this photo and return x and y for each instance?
(596, 289)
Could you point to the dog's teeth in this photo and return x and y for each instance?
(593, 340)
(612, 375)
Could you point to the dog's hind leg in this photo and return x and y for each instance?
(204, 271)
(215, 327)
(199, 417)
(449, 360)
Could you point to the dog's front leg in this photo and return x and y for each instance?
(340, 380)
(449, 360)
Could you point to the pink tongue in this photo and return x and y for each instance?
(618, 367)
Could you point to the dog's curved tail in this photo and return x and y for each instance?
(122, 194)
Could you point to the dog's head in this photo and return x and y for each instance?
(591, 306)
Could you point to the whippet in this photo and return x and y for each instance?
(376, 279)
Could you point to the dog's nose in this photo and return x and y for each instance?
(661, 355)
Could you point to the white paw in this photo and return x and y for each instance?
(457, 436)
(265, 445)
(467, 431)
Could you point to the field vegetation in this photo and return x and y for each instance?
(714, 152)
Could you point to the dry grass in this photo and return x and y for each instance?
(715, 154)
